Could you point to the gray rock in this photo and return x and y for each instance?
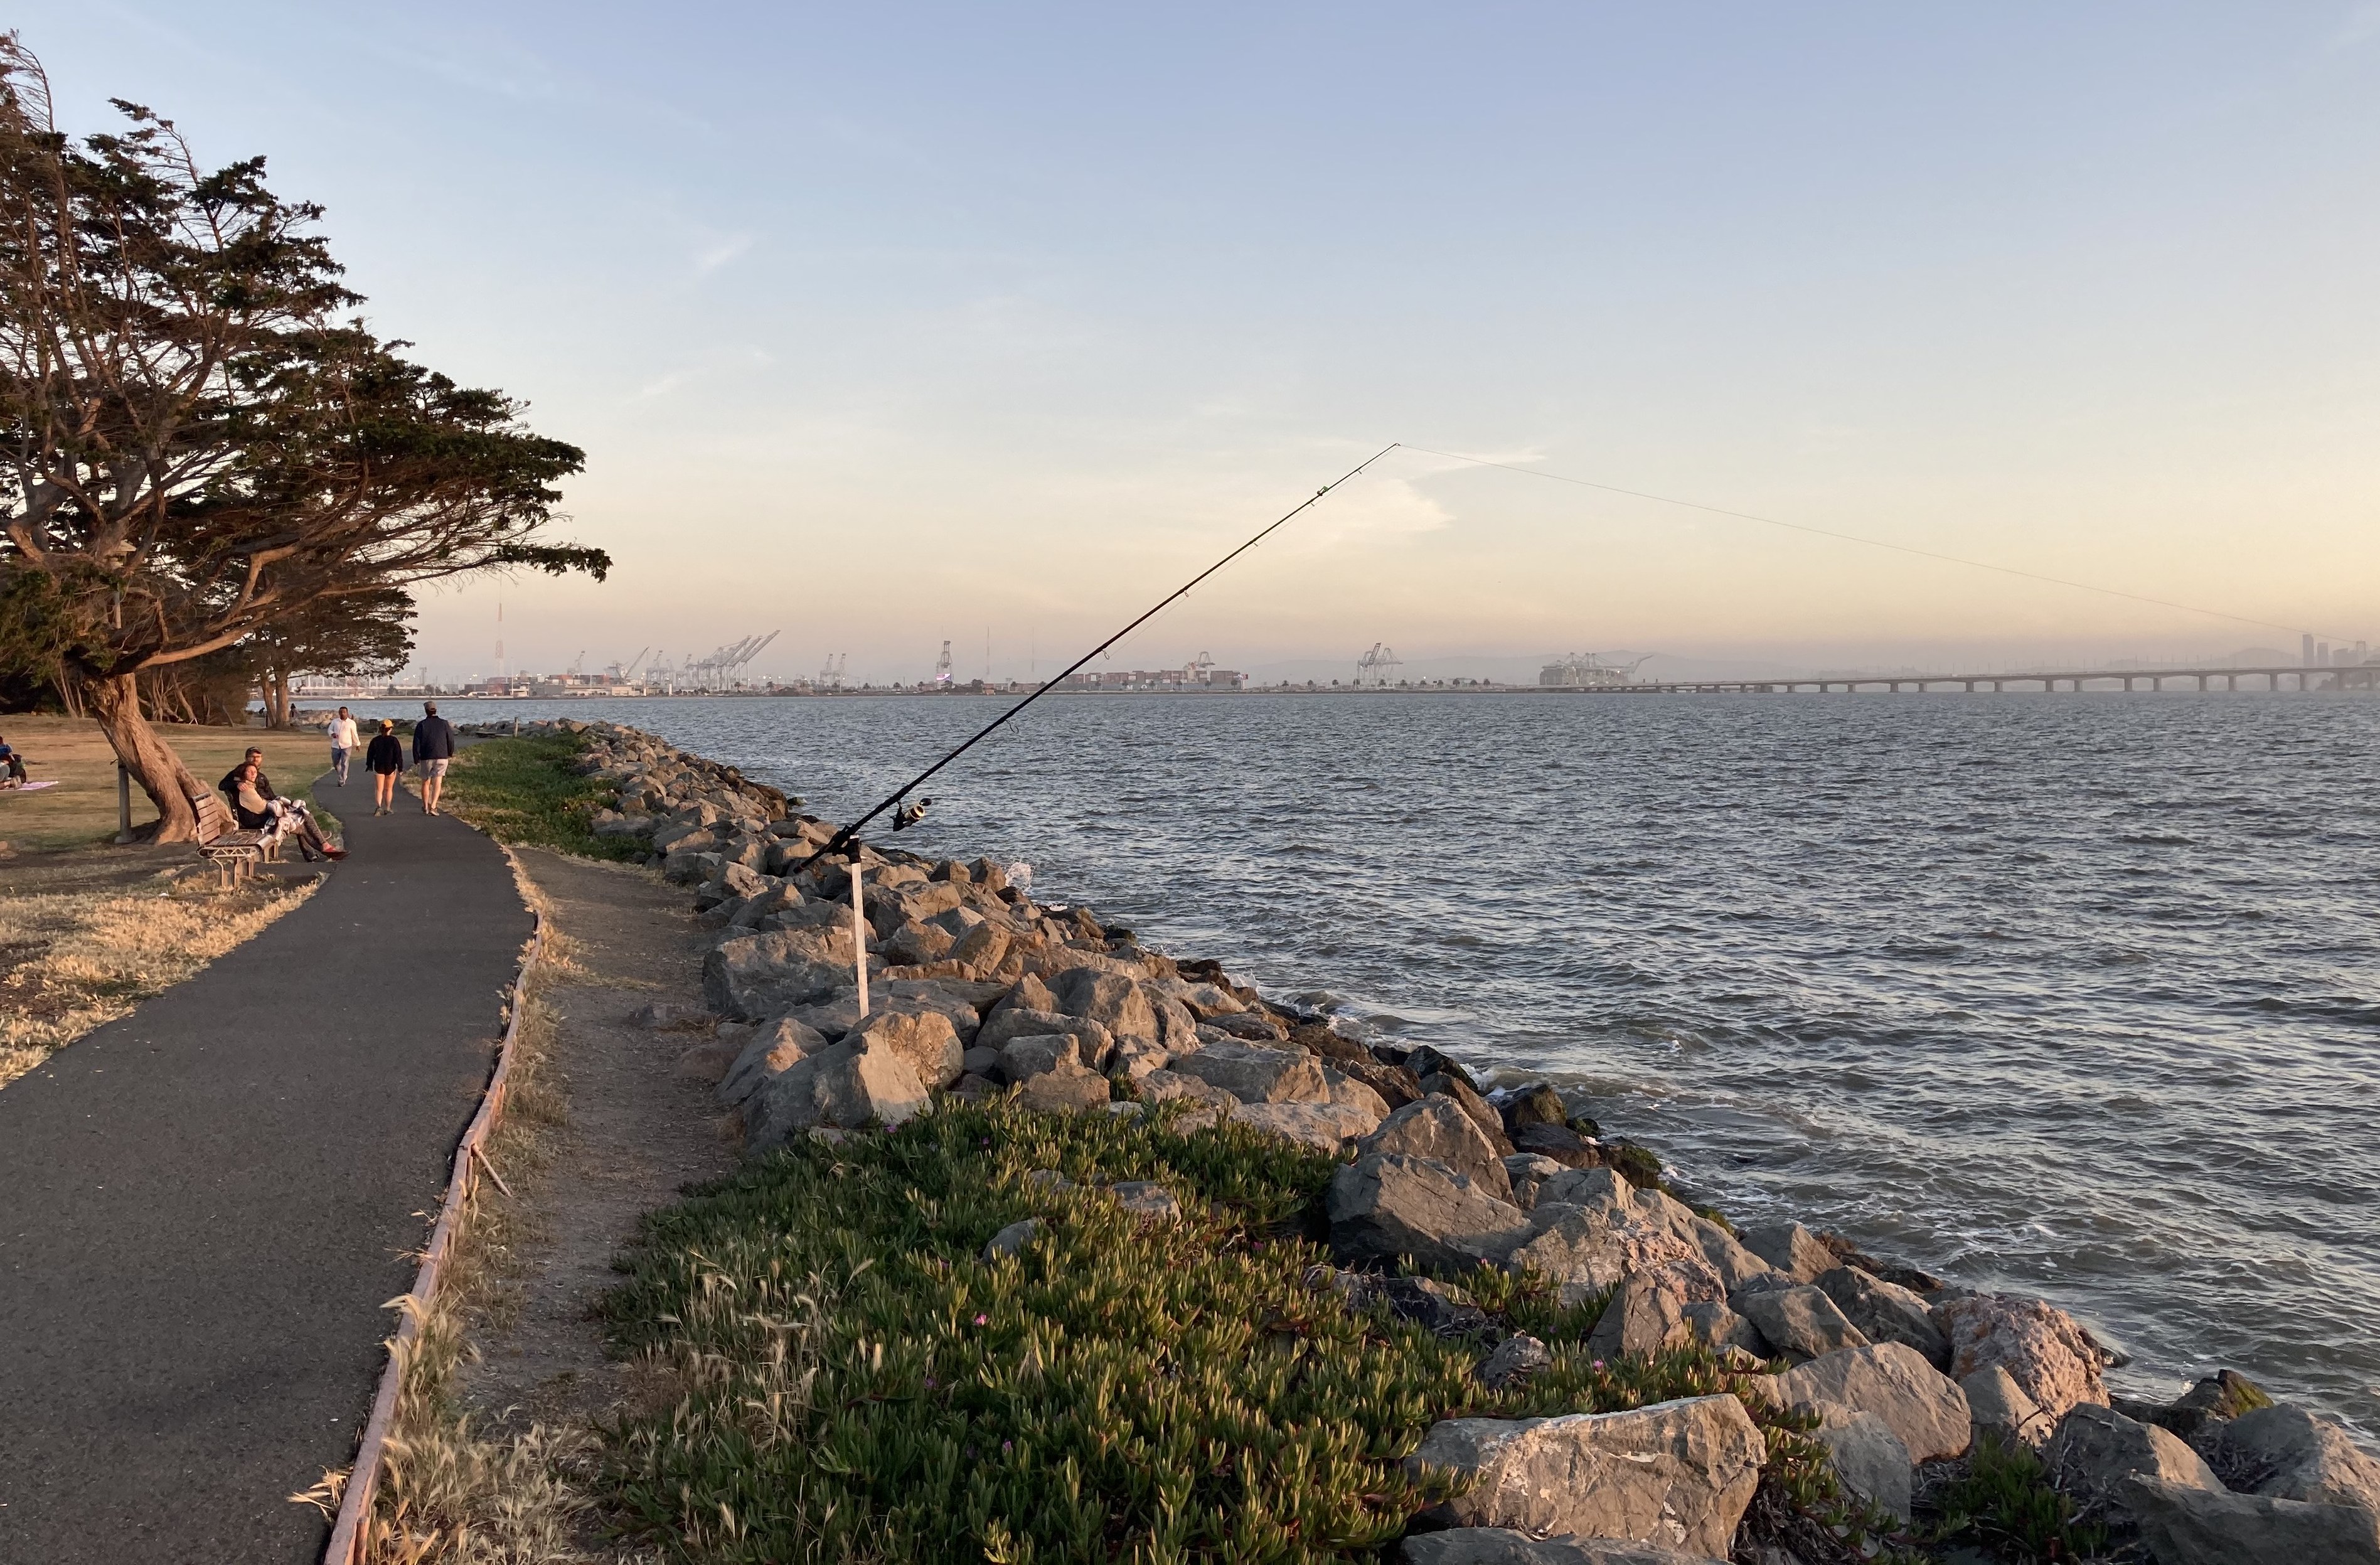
(1346, 1092)
(2183, 1524)
(1889, 1379)
(845, 1086)
(981, 1060)
(1136, 1058)
(1802, 1323)
(1064, 1091)
(1255, 1074)
(1325, 1127)
(1501, 1545)
(755, 975)
(2044, 1350)
(1516, 1358)
(1720, 1329)
(925, 1040)
(914, 945)
(982, 947)
(773, 1048)
(1388, 1205)
(1115, 1003)
(1021, 1058)
(1167, 1087)
(1678, 1474)
(1528, 1171)
(707, 1061)
(1436, 1127)
(1789, 1248)
(2096, 1449)
(1096, 1044)
(1147, 1200)
(1885, 1312)
(690, 868)
(1997, 1404)
(1868, 1456)
(1647, 1314)
(1013, 1238)
(1595, 1249)
(1448, 1083)
(1435, 1306)
(2309, 1458)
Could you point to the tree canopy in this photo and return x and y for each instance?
(200, 440)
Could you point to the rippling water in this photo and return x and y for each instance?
(2076, 995)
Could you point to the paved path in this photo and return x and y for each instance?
(204, 1205)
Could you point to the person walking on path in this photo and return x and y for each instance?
(433, 747)
(384, 760)
(342, 730)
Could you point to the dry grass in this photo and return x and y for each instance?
(452, 1493)
(80, 960)
(81, 808)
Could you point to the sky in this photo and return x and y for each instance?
(887, 325)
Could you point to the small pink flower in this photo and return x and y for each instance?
(1599, 1362)
(986, 1320)
(1008, 1445)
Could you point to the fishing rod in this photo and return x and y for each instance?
(906, 815)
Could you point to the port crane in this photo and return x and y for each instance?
(943, 666)
(830, 675)
(1373, 667)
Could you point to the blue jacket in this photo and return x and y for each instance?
(433, 739)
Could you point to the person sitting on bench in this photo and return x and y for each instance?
(253, 801)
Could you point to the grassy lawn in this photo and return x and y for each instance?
(854, 1381)
(525, 792)
(81, 809)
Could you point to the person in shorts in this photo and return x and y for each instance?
(385, 761)
(342, 730)
(433, 747)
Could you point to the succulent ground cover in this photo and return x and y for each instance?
(528, 792)
(854, 1379)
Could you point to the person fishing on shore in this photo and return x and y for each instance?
(385, 761)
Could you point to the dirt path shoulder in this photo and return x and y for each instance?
(634, 1132)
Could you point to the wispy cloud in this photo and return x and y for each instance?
(2358, 27)
(712, 256)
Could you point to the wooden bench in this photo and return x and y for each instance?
(232, 851)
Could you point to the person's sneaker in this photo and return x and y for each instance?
(336, 853)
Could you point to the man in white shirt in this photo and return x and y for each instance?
(342, 730)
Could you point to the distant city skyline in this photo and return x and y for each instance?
(883, 328)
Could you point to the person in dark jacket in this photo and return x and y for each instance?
(229, 787)
(384, 760)
(433, 747)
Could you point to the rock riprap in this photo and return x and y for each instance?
(975, 989)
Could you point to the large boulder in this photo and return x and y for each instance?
(1867, 1455)
(1648, 1315)
(1388, 1205)
(925, 1040)
(1790, 1248)
(1256, 1074)
(1996, 1404)
(1449, 1085)
(1802, 1322)
(2304, 1457)
(1096, 1044)
(1591, 1228)
(2044, 1350)
(1502, 1546)
(2096, 1449)
(1436, 1127)
(1678, 1474)
(773, 1048)
(1885, 1311)
(1114, 1001)
(757, 976)
(1070, 1089)
(1325, 1127)
(2183, 1524)
(1890, 1380)
(846, 1086)
(1591, 1251)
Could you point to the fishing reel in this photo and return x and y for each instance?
(906, 815)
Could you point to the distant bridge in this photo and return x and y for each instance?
(2358, 676)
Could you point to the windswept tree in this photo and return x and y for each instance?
(197, 441)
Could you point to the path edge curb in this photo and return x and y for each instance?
(348, 1532)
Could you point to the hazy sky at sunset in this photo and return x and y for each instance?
(887, 324)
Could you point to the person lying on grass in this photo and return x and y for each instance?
(258, 810)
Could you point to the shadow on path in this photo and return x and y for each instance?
(204, 1205)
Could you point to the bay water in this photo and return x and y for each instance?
(2073, 995)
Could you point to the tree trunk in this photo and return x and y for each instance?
(116, 702)
(273, 689)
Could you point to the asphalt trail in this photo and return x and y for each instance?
(203, 1207)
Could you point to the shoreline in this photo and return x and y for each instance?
(960, 963)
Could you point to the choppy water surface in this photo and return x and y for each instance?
(2072, 994)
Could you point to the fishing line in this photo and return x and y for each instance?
(903, 817)
(1871, 542)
